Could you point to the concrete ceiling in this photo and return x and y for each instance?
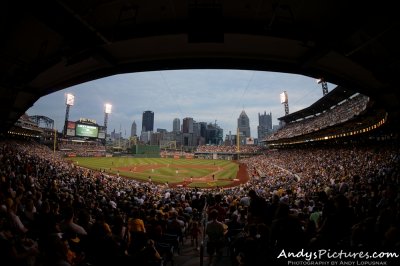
(49, 45)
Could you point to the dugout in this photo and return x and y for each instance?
(146, 151)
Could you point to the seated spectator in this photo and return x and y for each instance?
(15, 250)
(59, 253)
(137, 231)
(149, 255)
(14, 219)
(68, 223)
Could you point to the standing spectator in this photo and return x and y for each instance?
(215, 204)
(257, 208)
(215, 231)
(149, 255)
(195, 234)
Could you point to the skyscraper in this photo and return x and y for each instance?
(187, 132)
(187, 125)
(203, 129)
(176, 125)
(214, 134)
(244, 124)
(148, 121)
(133, 129)
(264, 125)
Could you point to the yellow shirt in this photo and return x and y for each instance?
(137, 225)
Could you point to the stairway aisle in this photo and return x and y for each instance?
(189, 256)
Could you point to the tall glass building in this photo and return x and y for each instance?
(176, 125)
(148, 121)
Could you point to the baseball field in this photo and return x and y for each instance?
(175, 172)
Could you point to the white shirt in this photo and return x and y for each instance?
(16, 222)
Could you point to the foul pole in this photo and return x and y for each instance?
(237, 141)
(55, 141)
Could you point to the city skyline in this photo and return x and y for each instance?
(205, 95)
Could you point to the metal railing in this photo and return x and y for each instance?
(204, 222)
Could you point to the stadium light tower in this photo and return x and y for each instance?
(69, 101)
(324, 85)
(107, 110)
(285, 102)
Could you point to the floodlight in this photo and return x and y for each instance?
(284, 97)
(108, 108)
(70, 99)
(324, 85)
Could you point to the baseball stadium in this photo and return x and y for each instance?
(321, 188)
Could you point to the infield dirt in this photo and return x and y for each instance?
(241, 175)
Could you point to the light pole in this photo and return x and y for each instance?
(70, 100)
(324, 85)
(285, 101)
(107, 110)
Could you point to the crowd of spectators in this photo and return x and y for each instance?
(250, 149)
(79, 216)
(81, 149)
(173, 153)
(333, 116)
(55, 213)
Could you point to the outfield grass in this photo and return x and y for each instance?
(162, 170)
